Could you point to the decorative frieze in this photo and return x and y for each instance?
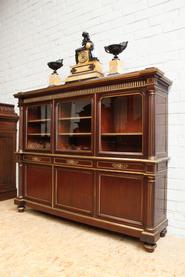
(102, 89)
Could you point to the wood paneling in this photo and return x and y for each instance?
(74, 190)
(160, 197)
(8, 121)
(38, 183)
(120, 197)
(161, 126)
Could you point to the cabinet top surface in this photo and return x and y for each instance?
(98, 82)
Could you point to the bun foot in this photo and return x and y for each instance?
(150, 247)
(21, 209)
(163, 233)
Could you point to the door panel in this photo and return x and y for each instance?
(38, 183)
(120, 197)
(74, 190)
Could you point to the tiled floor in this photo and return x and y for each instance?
(34, 244)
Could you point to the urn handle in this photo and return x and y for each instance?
(107, 49)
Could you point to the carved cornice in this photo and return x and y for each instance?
(151, 81)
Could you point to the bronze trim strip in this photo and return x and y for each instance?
(109, 88)
(95, 157)
(94, 169)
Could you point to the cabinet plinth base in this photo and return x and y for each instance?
(148, 239)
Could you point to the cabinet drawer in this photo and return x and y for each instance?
(123, 166)
(31, 158)
(74, 162)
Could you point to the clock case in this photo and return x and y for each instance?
(87, 66)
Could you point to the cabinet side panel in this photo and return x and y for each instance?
(160, 198)
(161, 125)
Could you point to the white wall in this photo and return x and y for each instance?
(33, 32)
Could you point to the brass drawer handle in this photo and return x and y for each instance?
(120, 166)
(72, 162)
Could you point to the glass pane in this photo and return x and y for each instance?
(74, 125)
(76, 108)
(39, 127)
(121, 124)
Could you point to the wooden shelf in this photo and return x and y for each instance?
(75, 117)
(38, 120)
(39, 134)
(74, 134)
(122, 134)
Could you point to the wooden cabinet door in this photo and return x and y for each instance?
(74, 190)
(38, 183)
(120, 197)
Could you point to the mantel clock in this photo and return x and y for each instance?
(87, 66)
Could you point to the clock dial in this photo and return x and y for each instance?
(83, 57)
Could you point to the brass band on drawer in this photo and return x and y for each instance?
(37, 159)
(74, 162)
(119, 166)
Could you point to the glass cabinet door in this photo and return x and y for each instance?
(74, 125)
(38, 118)
(121, 129)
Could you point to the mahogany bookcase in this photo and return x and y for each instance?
(95, 152)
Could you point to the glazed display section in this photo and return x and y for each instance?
(8, 121)
(121, 123)
(96, 152)
(38, 118)
(74, 130)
